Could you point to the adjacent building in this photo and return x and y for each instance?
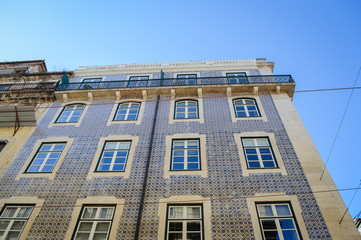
(185, 150)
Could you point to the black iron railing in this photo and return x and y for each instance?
(261, 79)
(19, 87)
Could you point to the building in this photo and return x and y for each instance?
(186, 150)
(26, 90)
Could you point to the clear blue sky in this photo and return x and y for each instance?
(317, 42)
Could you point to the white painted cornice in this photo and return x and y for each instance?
(175, 66)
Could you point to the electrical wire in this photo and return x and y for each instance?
(340, 125)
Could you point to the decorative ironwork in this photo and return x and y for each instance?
(21, 87)
(261, 79)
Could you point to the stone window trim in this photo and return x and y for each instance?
(115, 107)
(126, 173)
(271, 198)
(51, 175)
(272, 140)
(172, 118)
(100, 201)
(60, 110)
(37, 203)
(203, 155)
(185, 200)
(263, 116)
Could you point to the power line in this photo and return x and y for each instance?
(178, 98)
(350, 203)
(339, 127)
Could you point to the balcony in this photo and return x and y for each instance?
(28, 92)
(174, 82)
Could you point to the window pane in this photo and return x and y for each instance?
(100, 236)
(262, 142)
(272, 235)
(176, 212)
(248, 142)
(287, 224)
(193, 212)
(290, 235)
(82, 236)
(13, 235)
(269, 164)
(265, 211)
(175, 236)
(102, 227)
(269, 224)
(4, 225)
(192, 166)
(175, 226)
(9, 212)
(283, 210)
(85, 226)
(254, 164)
(193, 226)
(89, 213)
(193, 236)
(106, 213)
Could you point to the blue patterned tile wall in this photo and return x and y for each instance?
(230, 218)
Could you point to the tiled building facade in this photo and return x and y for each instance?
(195, 163)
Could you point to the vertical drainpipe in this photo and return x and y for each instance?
(145, 181)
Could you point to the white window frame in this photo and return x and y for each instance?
(184, 220)
(53, 123)
(172, 111)
(202, 151)
(258, 102)
(186, 108)
(258, 153)
(246, 110)
(127, 112)
(185, 200)
(115, 151)
(71, 112)
(15, 218)
(185, 151)
(277, 219)
(141, 110)
(275, 198)
(95, 221)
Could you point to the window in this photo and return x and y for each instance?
(245, 107)
(185, 155)
(187, 79)
(89, 83)
(46, 158)
(94, 222)
(138, 81)
(13, 220)
(2, 145)
(184, 222)
(258, 153)
(238, 77)
(186, 109)
(277, 221)
(127, 111)
(114, 156)
(71, 113)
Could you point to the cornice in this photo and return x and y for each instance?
(178, 66)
